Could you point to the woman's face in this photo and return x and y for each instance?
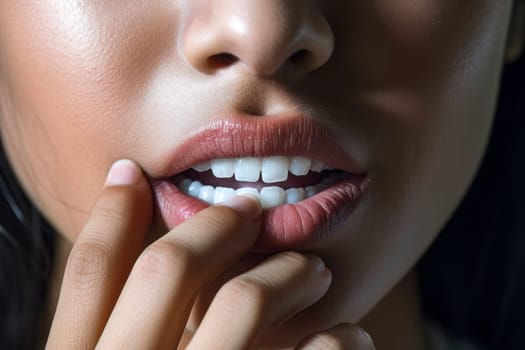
(407, 89)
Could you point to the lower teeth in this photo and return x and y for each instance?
(270, 197)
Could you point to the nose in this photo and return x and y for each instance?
(263, 36)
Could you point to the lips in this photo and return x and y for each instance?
(307, 183)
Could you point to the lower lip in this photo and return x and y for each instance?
(289, 226)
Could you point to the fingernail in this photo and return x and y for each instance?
(123, 172)
(246, 205)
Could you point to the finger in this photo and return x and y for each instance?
(344, 336)
(208, 292)
(158, 295)
(246, 306)
(101, 258)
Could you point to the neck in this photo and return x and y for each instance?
(396, 322)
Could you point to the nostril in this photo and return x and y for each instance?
(222, 60)
(261, 38)
(299, 57)
(303, 59)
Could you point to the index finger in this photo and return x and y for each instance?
(101, 258)
(167, 276)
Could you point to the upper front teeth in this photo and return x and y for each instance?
(271, 169)
(246, 169)
(222, 168)
(274, 169)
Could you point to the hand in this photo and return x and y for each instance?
(115, 295)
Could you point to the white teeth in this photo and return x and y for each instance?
(222, 168)
(248, 190)
(207, 194)
(194, 188)
(295, 195)
(222, 194)
(202, 167)
(317, 166)
(274, 169)
(251, 169)
(300, 166)
(270, 169)
(247, 169)
(272, 197)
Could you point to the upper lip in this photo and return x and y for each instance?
(255, 136)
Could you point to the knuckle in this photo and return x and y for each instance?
(166, 257)
(111, 209)
(252, 294)
(88, 264)
(118, 203)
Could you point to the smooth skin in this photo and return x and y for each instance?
(108, 278)
(407, 87)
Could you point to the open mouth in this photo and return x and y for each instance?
(275, 180)
(306, 182)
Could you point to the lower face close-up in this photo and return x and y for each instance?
(358, 124)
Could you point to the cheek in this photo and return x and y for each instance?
(422, 106)
(422, 85)
(68, 96)
(431, 129)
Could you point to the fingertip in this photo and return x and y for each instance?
(123, 172)
(246, 205)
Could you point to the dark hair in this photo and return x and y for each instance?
(26, 257)
(472, 279)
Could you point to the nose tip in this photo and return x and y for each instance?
(263, 36)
